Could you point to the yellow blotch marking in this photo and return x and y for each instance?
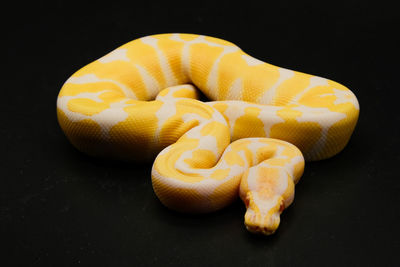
(255, 79)
(308, 133)
(72, 89)
(233, 158)
(165, 164)
(172, 50)
(220, 174)
(277, 162)
(164, 92)
(340, 132)
(187, 140)
(146, 56)
(267, 141)
(111, 97)
(186, 93)
(228, 72)
(289, 113)
(212, 127)
(173, 128)
(265, 153)
(249, 125)
(298, 170)
(202, 158)
(185, 106)
(251, 218)
(200, 65)
(244, 185)
(134, 137)
(131, 101)
(221, 107)
(289, 152)
(86, 106)
(313, 97)
(290, 88)
(266, 182)
(123, 72)
(301, 134)
(85, 135)
(180, 199)
(241, 145)
(226, 193)
(188, 37)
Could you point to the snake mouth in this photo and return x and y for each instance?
(266, 225)
(262, 220)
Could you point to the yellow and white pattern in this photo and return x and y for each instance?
(141, 101)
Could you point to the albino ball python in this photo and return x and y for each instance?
(141, 100)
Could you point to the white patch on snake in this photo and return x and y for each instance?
(268, 96)
(233, 112)
(117, 54)
(186, 70)
(269, 118)
(251, 61)
(152, 85)
(92, 78)
(105, 119)
(111, 116)
(236, 90)
(62, 104)
(212, 80)
(294, 161)
(314, 82)
(252, 179)
(195, 132)
(343, 97)
(324, 117)
(192, 116)
(169, 96)
(278, 152)
(167, 111)
(310, 114)
(218, 117)
(254, 146)
(208, 142)
(164, 64)
(265, 205)
(236, 109)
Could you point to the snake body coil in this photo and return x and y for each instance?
(141, 100)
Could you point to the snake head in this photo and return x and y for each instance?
(263, 214)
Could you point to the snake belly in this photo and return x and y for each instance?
(141, 101)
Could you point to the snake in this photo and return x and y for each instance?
(218, 123)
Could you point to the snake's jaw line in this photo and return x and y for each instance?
(253, 137)
(263, 216)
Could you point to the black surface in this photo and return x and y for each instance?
(59, 207)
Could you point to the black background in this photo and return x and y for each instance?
(59, 207)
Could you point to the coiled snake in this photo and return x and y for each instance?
(141, 100)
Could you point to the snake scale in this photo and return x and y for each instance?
(141, 101)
